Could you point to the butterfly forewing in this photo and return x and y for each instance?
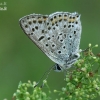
(34, 26)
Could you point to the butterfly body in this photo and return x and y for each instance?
(57, 35)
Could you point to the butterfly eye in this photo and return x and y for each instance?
(76, 55)
(57, 68)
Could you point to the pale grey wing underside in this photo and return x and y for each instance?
(35, 27)
(57, 35)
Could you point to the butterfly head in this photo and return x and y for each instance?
(68, 63)
(57, 68)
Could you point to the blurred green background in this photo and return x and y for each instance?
(20, 59)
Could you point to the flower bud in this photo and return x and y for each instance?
(89, 44)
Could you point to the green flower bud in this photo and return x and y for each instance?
(63, 89)
(27, 93)
(87, 96)
(29, 81)
(44, 94)
(89, 44)
(99, 93)
(18, 91)
(67, 79)
(61, 98)
(96, 45)
(44, 81)
(94, 57)
(37, 96)
(55, 91)
(70, 96)
(83, 69)
(77, 93)
(76, 79)
(87, 75)
(27, 98)
(80, 98)
(14, 94)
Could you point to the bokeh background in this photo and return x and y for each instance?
(20, 59)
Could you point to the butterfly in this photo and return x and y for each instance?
(57, 35)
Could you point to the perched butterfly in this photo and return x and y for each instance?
(57, 35)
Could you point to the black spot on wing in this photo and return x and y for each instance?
(42, 31)
(41, 38)
(26, 26)
(36, 27)
(40, 21)
(34, 21)
(30, 22)
(74, 32)
(69, 26)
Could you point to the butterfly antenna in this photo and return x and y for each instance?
(86, 49)
(46, 72)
